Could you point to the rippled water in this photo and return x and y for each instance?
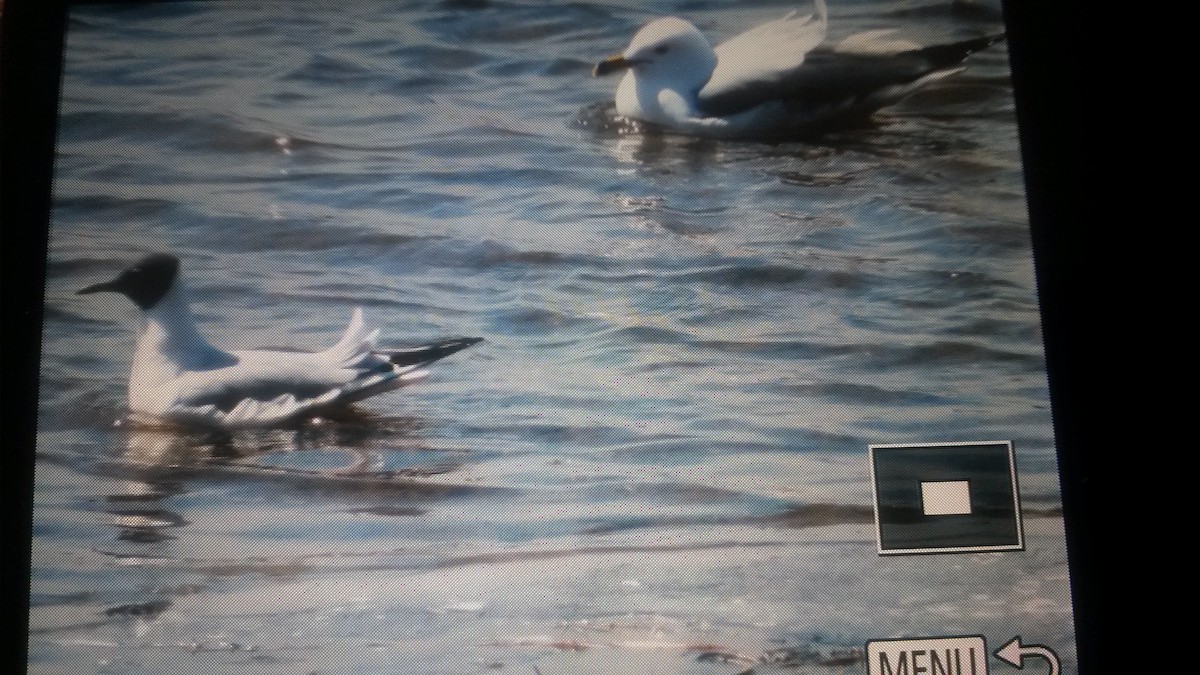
(656, 463)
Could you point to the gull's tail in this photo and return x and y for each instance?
(357, 342)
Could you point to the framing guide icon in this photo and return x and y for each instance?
(953, 497)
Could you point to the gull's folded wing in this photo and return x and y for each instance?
(265, 387)
(766, 52)
(834, 82)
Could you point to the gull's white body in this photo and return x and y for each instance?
(178, 376)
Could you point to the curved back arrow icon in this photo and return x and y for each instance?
(1014, 653)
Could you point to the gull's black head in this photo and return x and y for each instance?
(145, 283)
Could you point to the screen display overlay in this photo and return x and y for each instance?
(487, 336)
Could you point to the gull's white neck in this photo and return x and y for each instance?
(169, 339)
(168, 346)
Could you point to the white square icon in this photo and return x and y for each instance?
(946, 498)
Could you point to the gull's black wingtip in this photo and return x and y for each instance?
(431, 352)
(950, 55)
(993, 39)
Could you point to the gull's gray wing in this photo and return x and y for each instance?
(274, 377)
(274, 386)
(765, 51)
(834, 83)
(261, 387)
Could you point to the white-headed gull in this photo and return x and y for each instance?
(772, 80)
(178, 376)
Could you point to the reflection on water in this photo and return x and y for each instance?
(262, 547)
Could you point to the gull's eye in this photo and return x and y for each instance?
(662, 50)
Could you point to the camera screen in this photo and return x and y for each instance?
(470, 336)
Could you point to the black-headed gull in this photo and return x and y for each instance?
(178, 376)
(772, 80)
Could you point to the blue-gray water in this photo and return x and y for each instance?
(660, 451)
